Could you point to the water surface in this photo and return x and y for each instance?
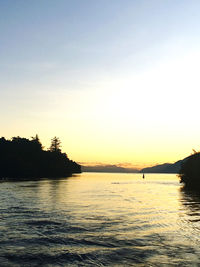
(99, 219)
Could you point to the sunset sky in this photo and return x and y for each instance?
(116, 80)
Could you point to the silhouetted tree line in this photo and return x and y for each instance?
(24, 158)
(190, 171)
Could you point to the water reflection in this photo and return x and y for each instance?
(99, 220)
(53, 190)
(190, 200)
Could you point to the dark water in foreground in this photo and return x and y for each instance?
(99, 220)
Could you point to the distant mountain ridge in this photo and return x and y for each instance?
(108, 168)
(160, 168)
(165, 168)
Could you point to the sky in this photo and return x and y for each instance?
(116, 80)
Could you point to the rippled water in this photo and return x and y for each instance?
(97, 219)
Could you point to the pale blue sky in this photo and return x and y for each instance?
(44, 37)
(60, 60)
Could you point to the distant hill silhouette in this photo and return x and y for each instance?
(24, 158)
(108, 168)
(165, 168)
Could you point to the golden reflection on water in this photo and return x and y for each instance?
(106, 218)
(149, 203)
(137, 207)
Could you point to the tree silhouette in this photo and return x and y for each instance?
(37, 142)
(55, 145)
(24, 158)
(190, 171)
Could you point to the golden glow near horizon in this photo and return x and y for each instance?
(142, 119)
(114, 99)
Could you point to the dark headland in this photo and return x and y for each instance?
(190, 172)
(22, 158)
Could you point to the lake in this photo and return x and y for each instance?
(99, 219)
